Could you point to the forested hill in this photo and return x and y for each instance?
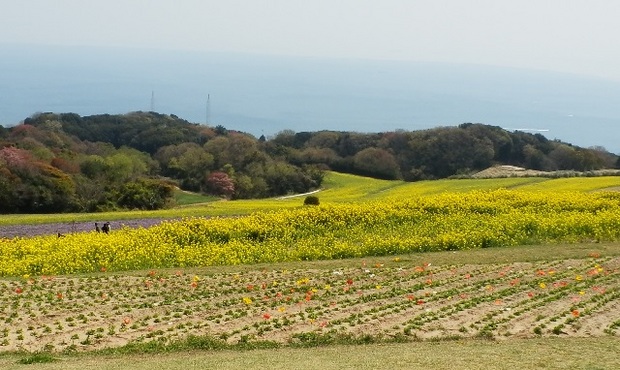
(65, 162)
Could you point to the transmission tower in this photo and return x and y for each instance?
(208, 110)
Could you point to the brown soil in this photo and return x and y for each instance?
(514, 171)
(565, 298)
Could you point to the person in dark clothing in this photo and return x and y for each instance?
(106, 227)
(97, 227)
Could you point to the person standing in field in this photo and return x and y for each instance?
(97, 227)
(106, 227)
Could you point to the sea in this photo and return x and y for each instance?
(266, 94)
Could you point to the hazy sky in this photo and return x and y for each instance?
(579, 36)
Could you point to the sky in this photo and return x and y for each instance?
(574, 36)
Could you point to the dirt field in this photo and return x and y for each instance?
(514, 171)
(381, 298)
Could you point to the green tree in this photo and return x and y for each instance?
(377, 163)
(145, 194)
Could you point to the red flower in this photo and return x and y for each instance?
(266, 316)
(19, 290)
(349, 281)
(59, 295)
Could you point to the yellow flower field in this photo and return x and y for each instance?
(447, 221)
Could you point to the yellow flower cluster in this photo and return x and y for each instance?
(450, 221)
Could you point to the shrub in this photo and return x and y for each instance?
(311, 200)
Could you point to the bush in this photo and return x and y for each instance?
(311, 200)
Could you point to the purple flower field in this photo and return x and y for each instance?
(12, 231)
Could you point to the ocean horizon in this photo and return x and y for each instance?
(263, 95)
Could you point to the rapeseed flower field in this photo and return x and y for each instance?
(446, 221)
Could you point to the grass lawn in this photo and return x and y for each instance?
(571, 353)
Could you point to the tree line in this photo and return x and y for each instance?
(435, 153)
(69, 163)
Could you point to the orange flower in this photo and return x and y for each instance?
(19, 290)
(575, 313)
(266, 316)
(126, 320)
